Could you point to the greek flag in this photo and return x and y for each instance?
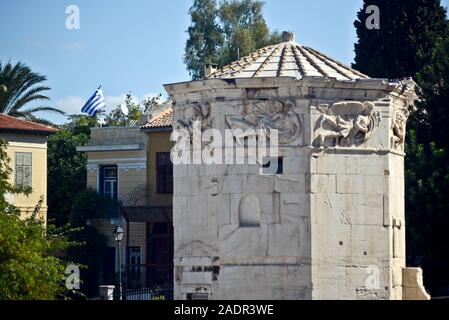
(95, 103)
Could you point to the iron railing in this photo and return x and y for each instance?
(164, 292)
(441, 294)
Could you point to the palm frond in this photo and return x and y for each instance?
(45, 109)
(24, 100)
(23, 86)
(33, 118)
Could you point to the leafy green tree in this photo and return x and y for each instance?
(20, 86)
(29, 268)
(223, 34)
(66, 171)
(87, 206)
(245, 29)
(117, 118)
(80, 124)
(66, 166)
(409, 30)
(135, 109)
(152, 103)
(205, 37)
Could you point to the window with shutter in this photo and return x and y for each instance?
(23, 172)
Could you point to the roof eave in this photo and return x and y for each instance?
(109, 147)
(261, 82)
(158, 129)
(28, 132)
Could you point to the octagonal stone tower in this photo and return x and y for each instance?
(330, 224)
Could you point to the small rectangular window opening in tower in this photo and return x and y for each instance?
(272, 166)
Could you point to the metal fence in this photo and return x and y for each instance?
(441, 294)
(156, 293)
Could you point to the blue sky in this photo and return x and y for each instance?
(137, 45)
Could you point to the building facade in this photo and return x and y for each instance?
(27, 151)
(132, 165)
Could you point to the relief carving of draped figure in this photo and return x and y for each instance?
(345, 124)
(198, 113)
(270, 115)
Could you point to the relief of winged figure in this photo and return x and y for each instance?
(345, 124)
(198, 114)
(399, 128)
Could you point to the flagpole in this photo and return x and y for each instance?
(95, 106)
(99, 114)
(100, 121)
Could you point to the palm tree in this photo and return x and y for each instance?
(19, 86)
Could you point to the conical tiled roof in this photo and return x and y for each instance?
(287, 59)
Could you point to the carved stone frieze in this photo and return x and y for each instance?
(345, 124)
(201, 113)
(269, 115)
(398, 128)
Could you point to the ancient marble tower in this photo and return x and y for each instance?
(330, 225)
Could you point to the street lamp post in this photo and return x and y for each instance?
(118, 236)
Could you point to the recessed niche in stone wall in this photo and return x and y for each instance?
(249, 211)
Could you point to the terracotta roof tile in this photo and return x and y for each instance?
(11, 124)
(287, 59)
(164, 119)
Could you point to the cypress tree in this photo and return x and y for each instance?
(413, 41)
(427, 173)
(402, 46)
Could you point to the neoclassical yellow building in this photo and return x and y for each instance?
(27, 150)
(132, 165)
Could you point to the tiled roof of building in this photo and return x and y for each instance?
(162, 120)
(11, 124)
(287, 59)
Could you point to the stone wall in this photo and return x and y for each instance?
(350, 233)
(116, 135)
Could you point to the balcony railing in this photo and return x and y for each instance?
(157, 293)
